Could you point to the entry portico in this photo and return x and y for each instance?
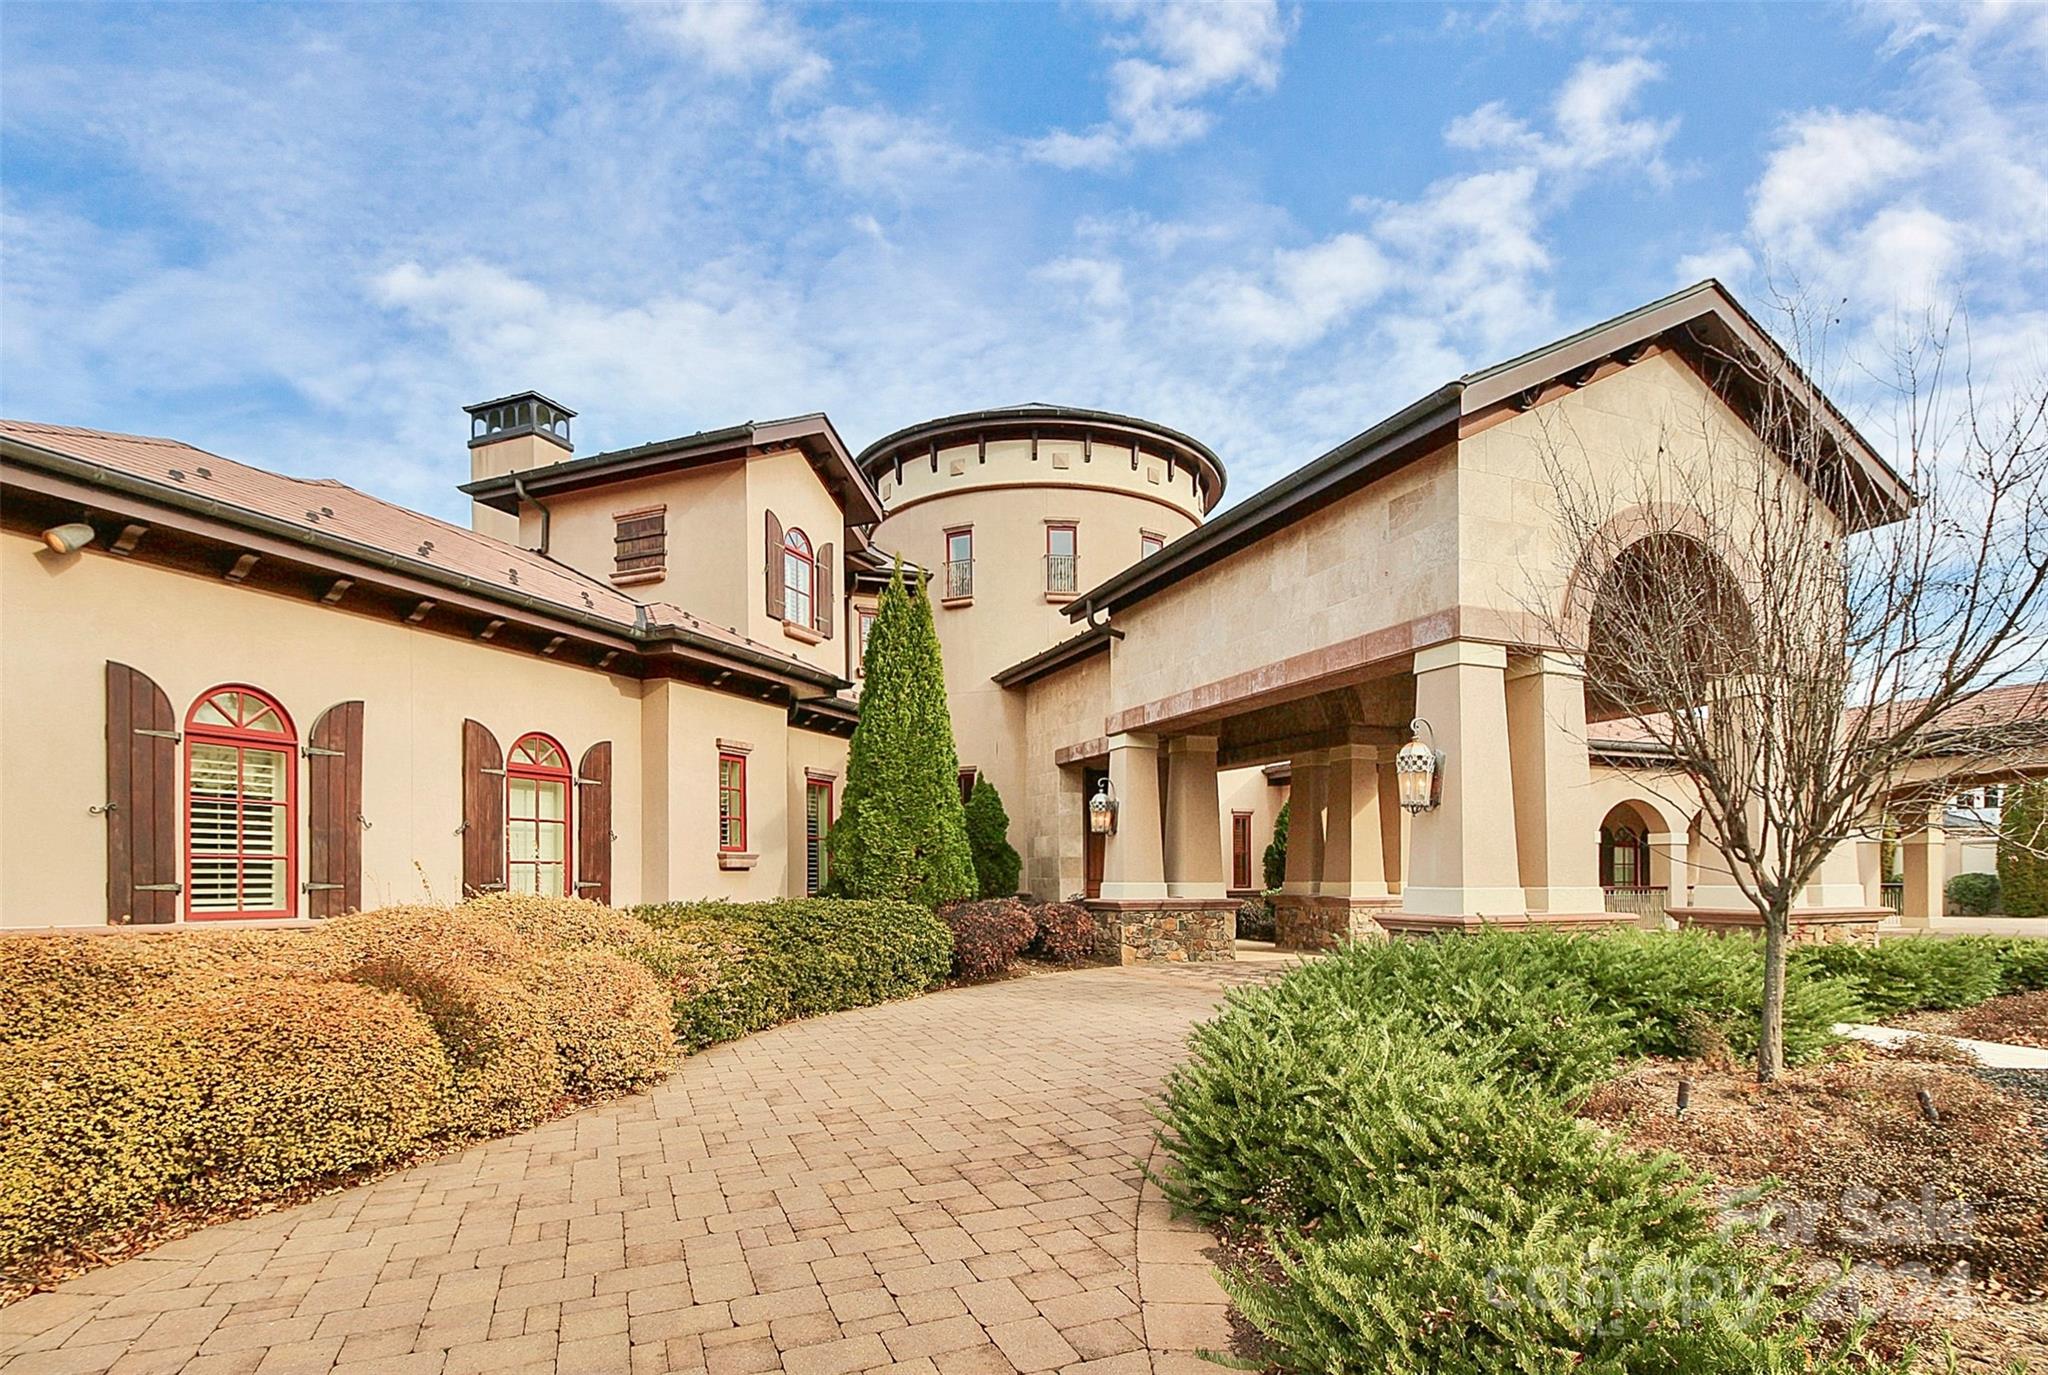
(1405, 576)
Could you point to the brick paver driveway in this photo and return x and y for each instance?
(945, 1186)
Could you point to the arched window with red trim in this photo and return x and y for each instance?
(537, 786)
(241, 797)
(799, 577)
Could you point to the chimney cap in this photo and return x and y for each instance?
(521, 413)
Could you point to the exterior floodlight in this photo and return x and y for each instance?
(68, 539)
(1102, 811)
(1419, 767)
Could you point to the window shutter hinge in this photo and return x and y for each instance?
(169, 735)
(312, 887)
(588, 883)
(159, 887)
(323, 752)
(495, 773)
(592, 782)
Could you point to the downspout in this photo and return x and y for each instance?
(519, 488)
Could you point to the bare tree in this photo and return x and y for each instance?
(1806, 647)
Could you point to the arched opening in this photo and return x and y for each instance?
(240, 795)
(537, 788)
(1668, 618)
(1633, 876)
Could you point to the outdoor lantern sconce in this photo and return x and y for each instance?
(68, 539)
(1102, 811)
(1419, 767)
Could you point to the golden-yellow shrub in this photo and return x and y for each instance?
(613, 1024)
(495, 1033)
(50, 984)
(425, 934)
(559, 923)
(231, 1094)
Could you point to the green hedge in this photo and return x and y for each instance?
(1394, 1123)
(738, 967)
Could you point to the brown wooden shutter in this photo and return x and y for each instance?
(641, 542)
(594, 824)
(774, 567)
(142, 801)
(334, 812)
(825, 602)
(483, 811)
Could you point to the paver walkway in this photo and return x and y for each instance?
(945, 1186)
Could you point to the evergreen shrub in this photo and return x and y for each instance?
(1971, 895)
(988, 935)
(1909, 973)
(1065, 933)
(997, 864)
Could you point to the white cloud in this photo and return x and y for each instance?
(1099, 281)
(1191, 51)
(873, 148)
(747, 39)
(1828, 162)
(1296, 298)
(1593, 123)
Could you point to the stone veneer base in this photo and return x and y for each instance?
(1320, 922)
(1814, 926)
(1164, 930)
(1399, 923)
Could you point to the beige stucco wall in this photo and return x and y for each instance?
(706, 511)
(1105, 467)
(1011, 617)
(784, 483)
(1372, 560)
(1248, 790)
(64, 617)
(1059, 710)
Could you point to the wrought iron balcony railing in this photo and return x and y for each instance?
(960, 578)
(1062, 573)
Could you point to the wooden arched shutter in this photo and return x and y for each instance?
(773, 548)
(483, 811)
(334, 811)
(142, 800)
(594, 824)
(825, 599)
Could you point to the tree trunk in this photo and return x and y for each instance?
(1770, 1049)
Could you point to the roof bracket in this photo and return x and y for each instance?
(130, 536)
(241, 568)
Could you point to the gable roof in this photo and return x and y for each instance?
(330, 515)
(811, 434)
(1703, 315)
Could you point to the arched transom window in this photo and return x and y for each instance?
(537, 783)
(799, 575)
(239, 799)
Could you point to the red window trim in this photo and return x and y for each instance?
(240, 738)
(725, 757)
(566, 776)
(1071, 525)
(1153, 538)
(863, 619)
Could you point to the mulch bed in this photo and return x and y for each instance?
(2017, 1019)
(1943, 1223)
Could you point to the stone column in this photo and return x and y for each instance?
(1923, 858)
(1353, 860)
(1305, 824)
(1556, 834)
(1462, 855)
(1194, 825)
(1134, 861)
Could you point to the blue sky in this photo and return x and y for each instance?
(305, 236)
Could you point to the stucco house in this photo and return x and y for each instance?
(228, 695)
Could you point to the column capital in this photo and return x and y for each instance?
(1460, 654)
(1310, 759)
(1132, 740)
(1359, 754)
(1192, 744)
(1549, 662)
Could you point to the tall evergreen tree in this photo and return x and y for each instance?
(902, 832)
(996, 862)
(2023, 850)
(1276, 853)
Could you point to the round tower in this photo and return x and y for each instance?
(1016, 513)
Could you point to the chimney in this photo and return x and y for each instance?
(513, 434)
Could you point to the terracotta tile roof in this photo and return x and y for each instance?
(343, 513)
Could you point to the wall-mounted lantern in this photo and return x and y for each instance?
(1419, 768)
(68, 539)
(1102, 811)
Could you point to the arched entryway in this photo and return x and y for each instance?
(1625, 863)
